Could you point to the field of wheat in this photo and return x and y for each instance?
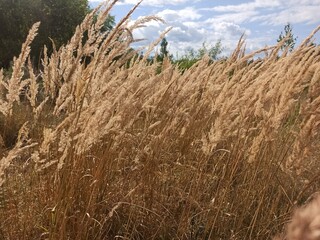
(100, 144)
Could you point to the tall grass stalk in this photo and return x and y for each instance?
(99, 145)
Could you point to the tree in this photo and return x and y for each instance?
(16, 18)
(58, 18)
(109, 24)
(212, 52)
(163, 51)
(192, 56)
(291, 41)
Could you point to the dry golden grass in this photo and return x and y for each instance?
(306, 222)
(108, 148)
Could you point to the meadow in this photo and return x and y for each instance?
(100, 144)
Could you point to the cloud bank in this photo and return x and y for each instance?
(196, 22)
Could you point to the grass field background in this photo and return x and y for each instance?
(100, 144)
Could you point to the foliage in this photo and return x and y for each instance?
(192, 56)
(290, 41)
(16, 18)
(164, 53)
(109, 23)
(58, 20)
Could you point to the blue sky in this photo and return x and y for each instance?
(198, 21)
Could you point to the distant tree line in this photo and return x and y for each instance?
(191, 55)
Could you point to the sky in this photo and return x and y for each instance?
(195, 22)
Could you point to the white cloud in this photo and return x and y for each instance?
(283, 11)
(190, 29)
(294, 15)
(182, 33)
(231, 29)
(188, 13)
(158, 3)
(260, 20)
(245, 7)
(238, 17)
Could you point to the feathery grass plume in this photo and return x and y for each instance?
(23, 144)
(4, 106)
(108, 5)
(39, 109)
(308, 40)
(48, 138)
(108, 40)
(239, 51)
(15, 85)
(33, 87)
(63, 70)
(276, 99)
(105, 70)
(229, 115)
(23, 135)
(308, 134)
(157, 41)
(79, 85)
(305, 223)
(51, 74)
(65, 99)
(141, 22)
(309, 125)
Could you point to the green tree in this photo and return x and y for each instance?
(58, 21)
(16, 17)
(109, 24)
(288, 33)
(164, 48)
(192, 56)
(60, 17)
(212, 52)
(164, 51)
